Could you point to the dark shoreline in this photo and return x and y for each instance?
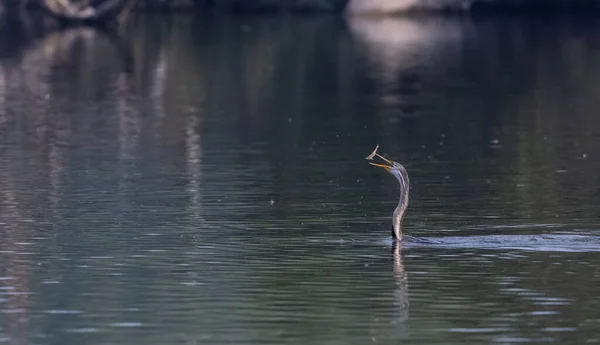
(584, 8)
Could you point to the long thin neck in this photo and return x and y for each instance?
(402, 177)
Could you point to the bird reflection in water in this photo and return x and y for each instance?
(401, 175)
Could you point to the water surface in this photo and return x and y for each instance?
(203, 183)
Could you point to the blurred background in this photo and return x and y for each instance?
(198, 178)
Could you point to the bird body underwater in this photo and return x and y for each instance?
(401, 175)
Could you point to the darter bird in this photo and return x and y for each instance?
(401, 175)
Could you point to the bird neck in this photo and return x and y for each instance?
(401, 208)
(397, 223)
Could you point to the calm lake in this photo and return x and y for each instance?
(202, 181)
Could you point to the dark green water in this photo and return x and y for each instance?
(205, 183)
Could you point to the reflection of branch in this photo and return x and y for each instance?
(114, 7)
(129, 120)
(126, 10)
(194, 160)
(56, 157)
(16, 324)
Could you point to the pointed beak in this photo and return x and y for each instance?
(385, 166)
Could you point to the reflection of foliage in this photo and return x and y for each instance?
(73, 11)
(88, 9)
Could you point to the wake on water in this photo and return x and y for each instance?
(541, 243)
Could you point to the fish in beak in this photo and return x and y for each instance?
(374, 154)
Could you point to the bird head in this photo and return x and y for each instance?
(392, 167)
